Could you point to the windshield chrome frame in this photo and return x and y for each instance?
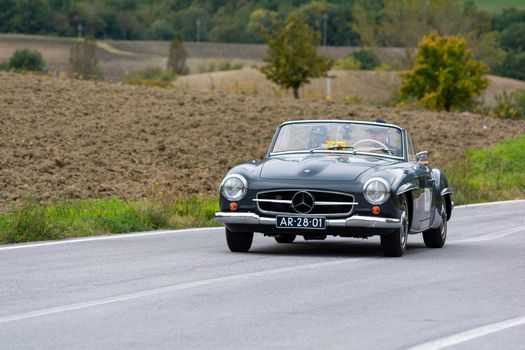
(404, 146)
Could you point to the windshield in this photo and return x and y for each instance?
(340, 136)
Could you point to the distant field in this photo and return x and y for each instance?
(494, 6)
(353, 87)
(118, 57)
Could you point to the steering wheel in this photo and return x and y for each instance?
(370, 140)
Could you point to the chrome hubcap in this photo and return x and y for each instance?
(444, 222)
(403, 234)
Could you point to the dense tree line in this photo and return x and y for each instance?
(498, 40)
(205, 20)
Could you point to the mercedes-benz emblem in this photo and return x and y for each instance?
(303, 202)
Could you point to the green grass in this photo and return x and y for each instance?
(36, 222)
(495, 6)
(490, 174)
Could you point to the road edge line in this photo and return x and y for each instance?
(103, 238)
(470, 334)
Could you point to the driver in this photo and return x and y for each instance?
(317, 136)
(381, 134)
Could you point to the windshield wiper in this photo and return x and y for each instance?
(384, 150)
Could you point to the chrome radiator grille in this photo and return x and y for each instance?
(305, 202)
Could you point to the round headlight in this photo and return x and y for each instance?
(376, 191)
(234, 187)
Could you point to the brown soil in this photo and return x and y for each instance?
(79, 139)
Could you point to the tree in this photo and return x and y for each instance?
(177, 57)
(513, 66)
(292, 57)
(445, 75)
(83, 60)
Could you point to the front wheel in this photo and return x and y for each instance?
(395, 243)
(239, 242)
(436, 237)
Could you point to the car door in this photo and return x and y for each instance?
(422, 196)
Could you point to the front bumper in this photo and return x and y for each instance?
(352, 221)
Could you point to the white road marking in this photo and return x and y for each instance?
(169, 289)
(491, 236)
(104, 238)
(469, 335)
(517, 201)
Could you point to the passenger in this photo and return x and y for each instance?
(317, 137)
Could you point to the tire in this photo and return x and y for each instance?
(395, 244)
(436, 237)
(239, 242)
(285, 238)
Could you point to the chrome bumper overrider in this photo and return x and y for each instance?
(352, 221)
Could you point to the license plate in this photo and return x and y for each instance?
(316, 223)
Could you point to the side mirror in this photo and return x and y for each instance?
(422, 157)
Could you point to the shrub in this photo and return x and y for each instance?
(367, 59)
(224, 65)
(445, 75)
(510, 105)
(152, 76)
(348, 63)
(27, 60)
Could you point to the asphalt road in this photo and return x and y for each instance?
(184, 289)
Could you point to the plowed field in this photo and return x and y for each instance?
(77, 139)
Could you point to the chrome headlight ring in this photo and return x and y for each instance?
(234, 187)
(376, 191)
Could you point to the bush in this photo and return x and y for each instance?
(152, 76)
(367, 59)
(510, 105)
(445, 75)
(26, 60)
(224, 65)
(348, 63)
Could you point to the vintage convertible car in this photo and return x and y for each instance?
(339, 178)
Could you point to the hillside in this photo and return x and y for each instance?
(83, 139)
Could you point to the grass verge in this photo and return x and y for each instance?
(33, 221)
(490, 174)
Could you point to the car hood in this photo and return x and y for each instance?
(320, 167)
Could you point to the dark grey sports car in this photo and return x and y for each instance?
(339, 178)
